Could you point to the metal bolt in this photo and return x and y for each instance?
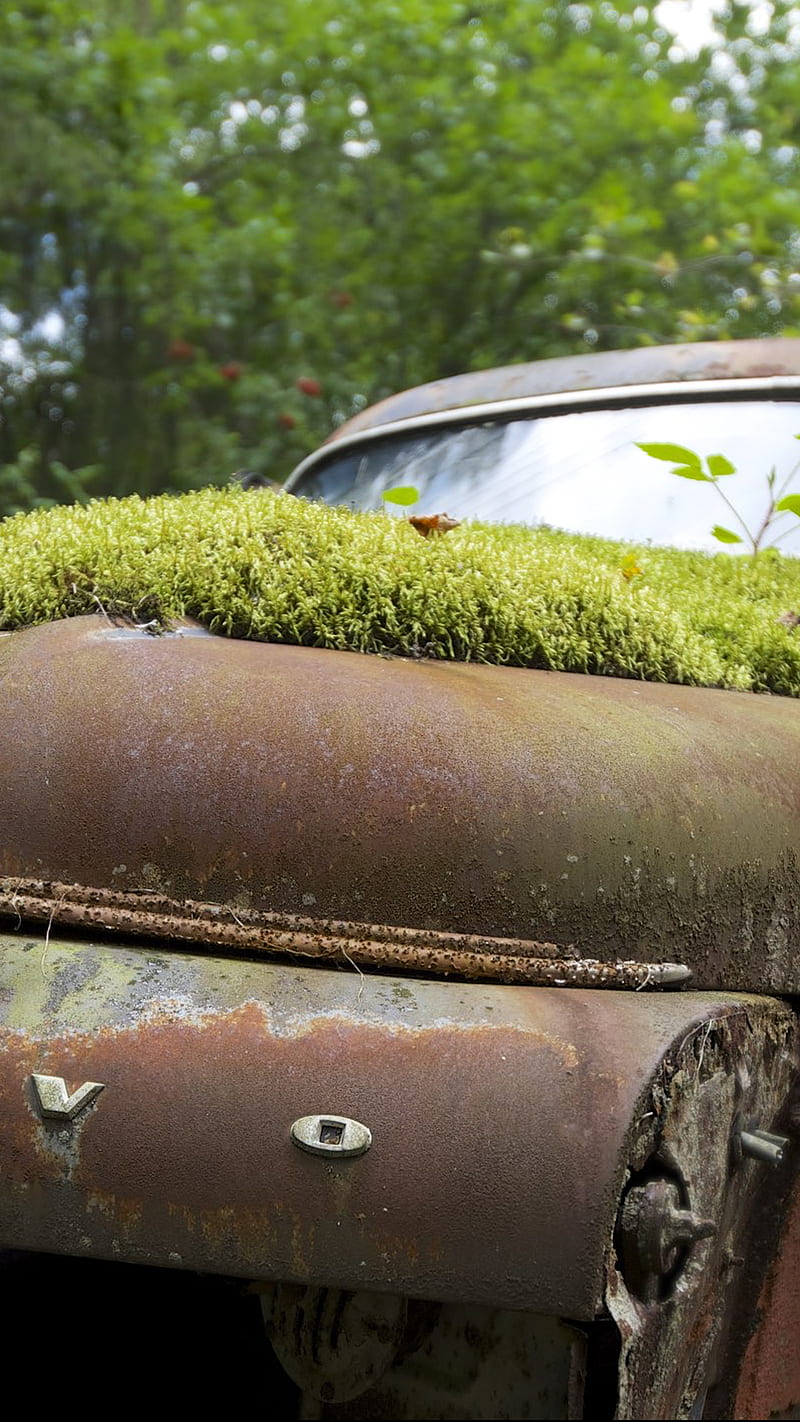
(763, 1145)
(749, 1139)
(655, 1229)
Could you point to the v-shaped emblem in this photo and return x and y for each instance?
(54, 1100)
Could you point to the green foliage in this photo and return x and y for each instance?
(725, 535)
(719, 467)
(404, 494)
(270, 567)
(19, 490)
(252, 220)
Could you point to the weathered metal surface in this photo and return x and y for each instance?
(777, 356)
(501, 1120)
(607, 819)
(769, 1381)
(674, 1306)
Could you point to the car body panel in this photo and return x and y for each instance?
(447, 817)
(487, 1179)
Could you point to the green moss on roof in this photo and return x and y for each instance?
(278, 569)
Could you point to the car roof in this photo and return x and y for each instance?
(767, 361)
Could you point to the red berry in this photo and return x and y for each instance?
(340, 299)
(181, 350)
(287, 421)
(307, 386)
(231, 370)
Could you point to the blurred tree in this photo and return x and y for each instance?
(226, 227)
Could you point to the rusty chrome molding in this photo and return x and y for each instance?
(467, 955)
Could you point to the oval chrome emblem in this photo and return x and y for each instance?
(331, 1135)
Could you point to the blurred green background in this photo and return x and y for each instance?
(224, 228)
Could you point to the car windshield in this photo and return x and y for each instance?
(583, 471)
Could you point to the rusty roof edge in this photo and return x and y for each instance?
(356, 433)
(762, 358)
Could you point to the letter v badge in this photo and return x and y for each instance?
(54, 1101)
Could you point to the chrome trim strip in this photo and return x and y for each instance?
(682, 391)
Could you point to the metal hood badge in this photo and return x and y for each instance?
(54, 1100)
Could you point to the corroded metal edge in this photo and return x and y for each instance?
(769, 1379)
(735, 1066)
(469, 956)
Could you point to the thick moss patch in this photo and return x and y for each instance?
(278, 569)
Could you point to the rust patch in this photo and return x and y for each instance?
(769, 1378)
(190, 1156)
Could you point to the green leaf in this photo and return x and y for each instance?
(719, 465)
(671, 452)
(691, 471)
(790, 503)
(725, 535)
(404, 494)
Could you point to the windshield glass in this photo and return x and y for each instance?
(583, 472)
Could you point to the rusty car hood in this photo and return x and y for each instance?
(444, 817)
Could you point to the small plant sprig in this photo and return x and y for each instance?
(717, 466)
(404, 494)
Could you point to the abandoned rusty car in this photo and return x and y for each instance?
(447, 1004)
